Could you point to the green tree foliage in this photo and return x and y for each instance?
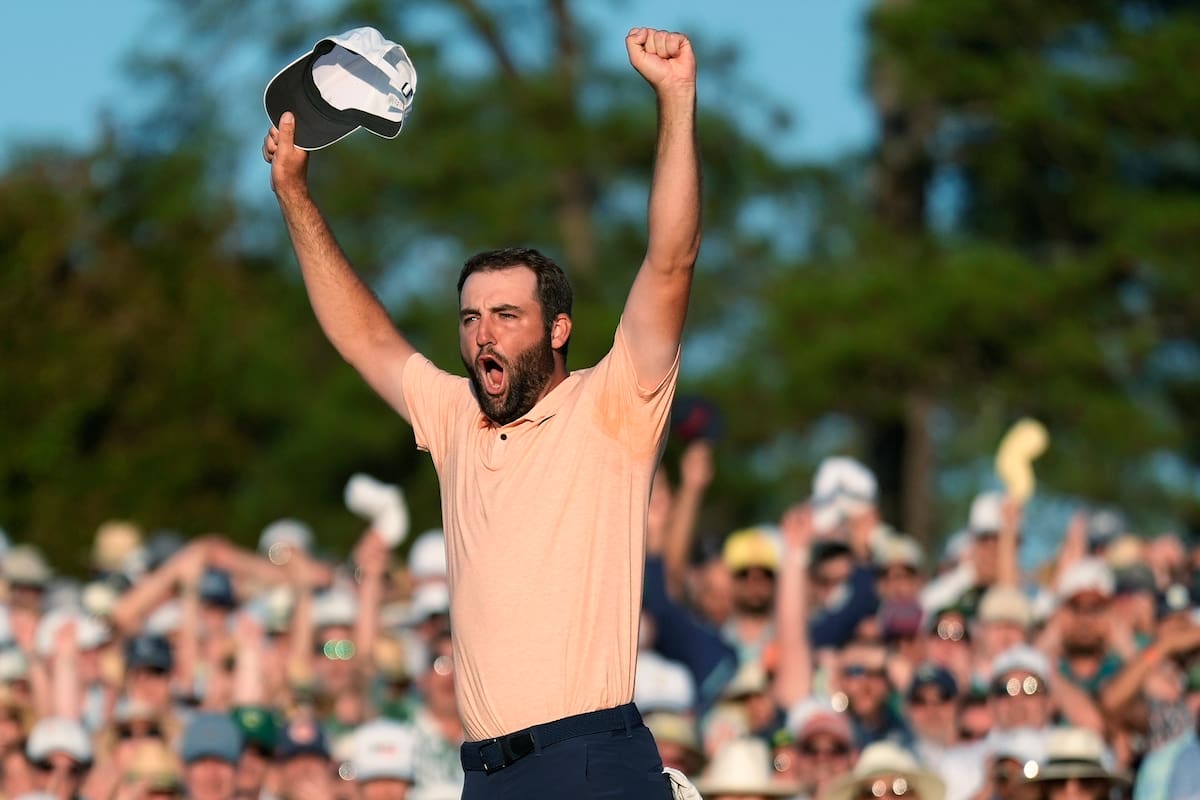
(167, 368)
(1025, 244)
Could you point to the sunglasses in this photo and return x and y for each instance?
(1015, 687)
(951, 631)
(860, 671)
(74, 770)
(742, 574)
(1088, 609)
(881, 787)
(125, 734)
(812, 751)
(335, 649)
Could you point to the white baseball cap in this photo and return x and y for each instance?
(59, 735)
(1022, 658)
(282, 534)
(662, 684)
(1086, 575)
(383, 750)
(357, 79)
(335, 606)
(984, 517)
(427, 557)
(841, 488)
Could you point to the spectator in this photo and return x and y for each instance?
(210, 750)
(816, 747)
(1075, 768)
(383, 761)
(933, 706)
(154, 769)
(1004, 619)
(60, 754)
(887, 770)
(752, 557)
(740, 770)
(1092, 643)
(304, 760)
(677, 739)
(148, 665)
(862, 680)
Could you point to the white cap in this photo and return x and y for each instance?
(1086, 575)
(165, 619)
(24, 564)
(892, 548)
(383, 750)
(1005, 604)
(985, 513)
(89, 634)
(1022, 658)
(427, 558)
(282, 534)
(98, 598)
(354, 80)
(1023, 745)
(13, 664)
(334, 606)
(841, 488)
(59, 735)
(429, 599)
(662, 684)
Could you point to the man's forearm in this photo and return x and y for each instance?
(674, 209)
(348, 312)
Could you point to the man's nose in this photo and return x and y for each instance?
(483, 333)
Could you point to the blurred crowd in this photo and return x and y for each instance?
(825, 655)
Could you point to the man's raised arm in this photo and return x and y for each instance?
(349, 313)
(657, 304)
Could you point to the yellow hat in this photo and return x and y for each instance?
(115, 541)
(751, 547)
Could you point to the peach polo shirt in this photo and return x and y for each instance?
(545, 522)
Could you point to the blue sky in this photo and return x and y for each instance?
(804, 54)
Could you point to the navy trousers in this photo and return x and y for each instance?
(614, 764)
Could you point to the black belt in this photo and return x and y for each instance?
(491, 755)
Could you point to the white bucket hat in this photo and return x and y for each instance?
(743, 766)
(885, 759)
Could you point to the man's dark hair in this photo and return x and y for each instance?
(553, 288)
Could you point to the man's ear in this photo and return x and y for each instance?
(560, 331)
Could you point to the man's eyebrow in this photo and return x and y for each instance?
(464, 312)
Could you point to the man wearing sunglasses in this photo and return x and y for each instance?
(60, 754)
(865, 690)
(821, 746)
(932, 703)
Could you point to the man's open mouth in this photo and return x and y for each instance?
(491, 374)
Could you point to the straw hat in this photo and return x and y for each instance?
(887, 759)
(1076, 753)
(153, 761)
(743, 766)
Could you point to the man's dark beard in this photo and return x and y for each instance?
(1073, 648)
(527, 377)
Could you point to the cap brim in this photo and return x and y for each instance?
(721, 787)
(1062, 772)
(286, 92)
